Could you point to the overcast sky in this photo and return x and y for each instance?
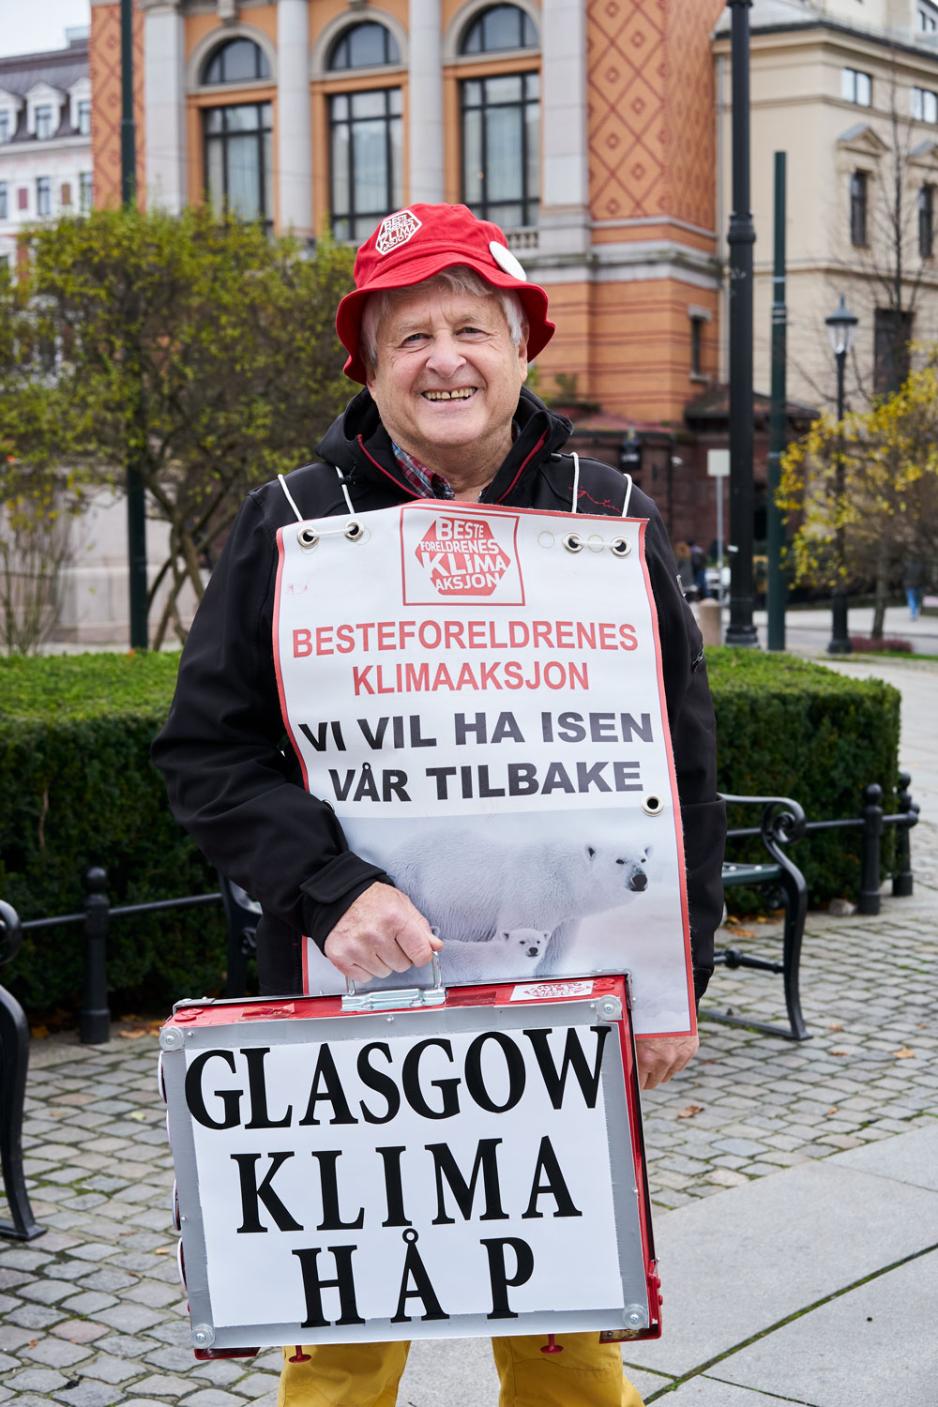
(27, 26)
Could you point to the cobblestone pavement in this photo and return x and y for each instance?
(91, 1313)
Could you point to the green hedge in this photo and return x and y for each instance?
(78, 788)
(787, 727)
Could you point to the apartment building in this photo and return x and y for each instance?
(45, 139)
(850, 92)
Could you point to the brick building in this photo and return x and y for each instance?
(584, 129)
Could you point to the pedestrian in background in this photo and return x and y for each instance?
(685, 570)
(913, 579)
(698, 562)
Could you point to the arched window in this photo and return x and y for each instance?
(500, 123)
(367, 45)
(236, 61)
(498, 28)
(365, 136)
(237, 138)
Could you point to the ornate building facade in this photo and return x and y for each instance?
(584, 129)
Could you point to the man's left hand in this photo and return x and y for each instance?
(660, 1057)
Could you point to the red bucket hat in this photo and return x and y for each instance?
(414, 244)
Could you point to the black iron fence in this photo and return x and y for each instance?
(98, 913)
(873, 822)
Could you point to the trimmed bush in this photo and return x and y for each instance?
(787, 727)
(79, 789)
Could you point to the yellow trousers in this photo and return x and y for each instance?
(587, 1374)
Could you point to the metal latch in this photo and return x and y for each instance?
(394, 998)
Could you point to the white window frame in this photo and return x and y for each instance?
(925, 105)
(40, 112)
(856, 87)
(47, 193)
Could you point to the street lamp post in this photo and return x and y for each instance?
(740, 238)
(840, 326)
(136, 494)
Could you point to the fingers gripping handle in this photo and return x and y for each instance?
(396, 998)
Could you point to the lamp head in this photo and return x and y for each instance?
(840, 326)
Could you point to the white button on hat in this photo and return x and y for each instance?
(507, 261)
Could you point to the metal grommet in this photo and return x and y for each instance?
(620, 548)
(545, 538)
(354, 531)
(307, 538)
(573, 543)
(652, 805)
(595, 543)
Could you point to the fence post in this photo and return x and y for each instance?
(95, 1017)
(869, 902)
(902, 877)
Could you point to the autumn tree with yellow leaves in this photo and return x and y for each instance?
(873, 475)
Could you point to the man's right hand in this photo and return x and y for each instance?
(379, 934)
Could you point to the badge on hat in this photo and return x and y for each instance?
(395, 230)
(506, 261)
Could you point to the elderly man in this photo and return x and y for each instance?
(439, 328)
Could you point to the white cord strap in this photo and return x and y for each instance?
(628, 494)
(345, 491)
(576, 480)
(290, 499)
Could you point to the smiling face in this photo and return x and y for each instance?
(447, 381)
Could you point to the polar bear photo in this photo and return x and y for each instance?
(509, 956)
(593, 892)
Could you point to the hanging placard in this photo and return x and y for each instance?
(477, 692)
(471, 1169)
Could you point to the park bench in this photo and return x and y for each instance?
(782, 822)
(14, 1057)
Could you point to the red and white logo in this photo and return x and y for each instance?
(461, 557)
(396, 229)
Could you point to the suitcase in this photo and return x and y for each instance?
(410, 1163)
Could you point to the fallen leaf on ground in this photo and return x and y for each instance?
(743, 932)
(832, 1110)
(165, 1251)
(836, 1026)
(904, 1053)
(138, 1115)
(840, 1052)
(38, 1033)
(690, 1111)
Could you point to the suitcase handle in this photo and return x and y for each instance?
(397, 997)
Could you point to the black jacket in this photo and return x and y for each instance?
(237, 789)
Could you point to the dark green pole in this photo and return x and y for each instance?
(741, 238)
(777, 423)
(136, 497)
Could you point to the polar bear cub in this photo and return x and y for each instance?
(512, 954)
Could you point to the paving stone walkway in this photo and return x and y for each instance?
(91, 1313)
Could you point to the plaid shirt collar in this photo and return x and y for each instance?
(426, 482)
